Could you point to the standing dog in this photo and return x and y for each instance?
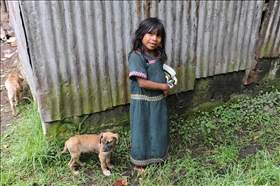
(13, 85)
(101, 144)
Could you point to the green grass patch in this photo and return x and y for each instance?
(237, 143)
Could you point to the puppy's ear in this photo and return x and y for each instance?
(101, 136)
(116, 136)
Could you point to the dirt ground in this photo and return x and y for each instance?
(9, 64)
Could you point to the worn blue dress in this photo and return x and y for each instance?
(149, 112)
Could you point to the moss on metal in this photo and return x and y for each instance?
(266, 49)
(206, 95)
(113, 120)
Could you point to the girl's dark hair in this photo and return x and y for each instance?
(149, 25)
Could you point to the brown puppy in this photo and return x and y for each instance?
(101, 144)
(13, 85)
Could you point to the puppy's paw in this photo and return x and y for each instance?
(106, 172)
(83, 164)
(76, 172)
(110, 166)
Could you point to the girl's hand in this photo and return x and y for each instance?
(150, 85)
(166, 91)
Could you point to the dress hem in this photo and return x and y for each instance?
(149, 161)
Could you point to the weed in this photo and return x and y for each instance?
(232, 144)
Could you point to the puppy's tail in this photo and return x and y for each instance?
(61, 152)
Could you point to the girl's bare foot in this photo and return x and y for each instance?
(140, 169)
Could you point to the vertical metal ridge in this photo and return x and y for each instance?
(79, 50)
(269, 43)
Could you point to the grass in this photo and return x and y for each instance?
(232, 144)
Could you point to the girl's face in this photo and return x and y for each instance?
(151, 41)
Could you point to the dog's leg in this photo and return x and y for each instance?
(17, 97)
(13, 106)
(102, 159)
(76, 157)
(80, 163)
(71, 164)
(108, 161)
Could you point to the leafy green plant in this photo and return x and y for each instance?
(207, 148)
(224, 155)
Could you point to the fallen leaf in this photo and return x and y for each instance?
(118, 183)
(121, 182)
(258, 134)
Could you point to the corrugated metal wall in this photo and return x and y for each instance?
(269, 42)
(227, 36)
(78, 49)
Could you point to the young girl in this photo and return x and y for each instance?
(149, 112)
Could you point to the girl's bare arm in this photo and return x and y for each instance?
(150, 85)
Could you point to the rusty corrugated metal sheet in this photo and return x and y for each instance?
(78, 49)
(269, 42)
(78, 56)
(227, 35)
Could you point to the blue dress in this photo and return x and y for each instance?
(149, 112)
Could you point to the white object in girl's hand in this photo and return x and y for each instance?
(170, 75)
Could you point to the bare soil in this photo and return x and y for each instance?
(9, 65)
